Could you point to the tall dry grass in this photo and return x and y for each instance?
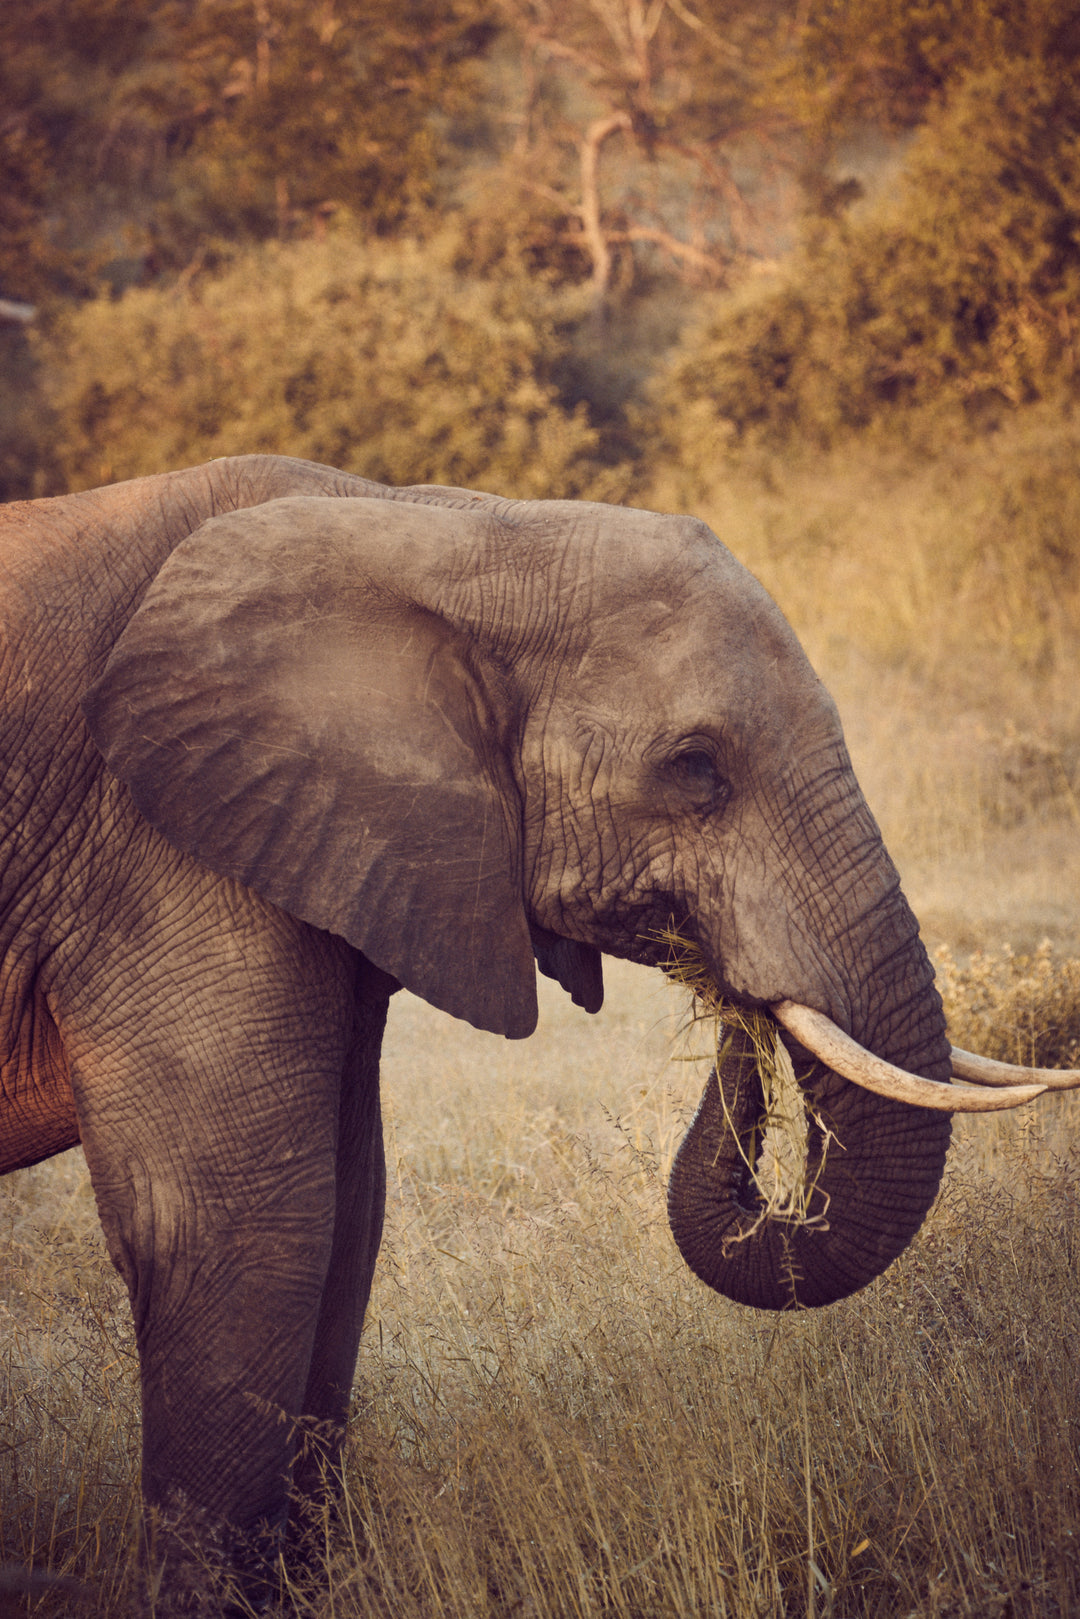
(552, 1416)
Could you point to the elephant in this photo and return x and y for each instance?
(279, 740)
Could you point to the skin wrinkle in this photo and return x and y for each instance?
(583, 843)
(590, 768)
(534, 604)
(859, 869)
(245, 1066)
(736, 941)
(32, 1065)
(807, 895)
(841, 912)
(134, 849)
(890, 1024)
(611, 856)
(577, 847)
(845, 923)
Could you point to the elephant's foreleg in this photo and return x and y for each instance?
(225, 1268)
(209, 1109)
(358, 1221)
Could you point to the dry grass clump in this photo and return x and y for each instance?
(69, 1395)
(553, 1417)
(777, 1157)
(1018, 1008)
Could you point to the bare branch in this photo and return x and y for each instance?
(595, 136)
(685, 15)
(671, 244)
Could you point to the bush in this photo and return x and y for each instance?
(1018, 1008)
(374, 357)
(26, 435)
(959, 293)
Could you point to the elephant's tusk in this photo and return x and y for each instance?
(846, 1057)
(986, 1071)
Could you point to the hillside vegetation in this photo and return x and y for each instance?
(614, 191)
(606, 251)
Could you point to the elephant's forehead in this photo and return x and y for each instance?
(672, 581)
(701, 632)
(733, 667)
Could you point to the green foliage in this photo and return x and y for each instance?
(375, 357)
(960, 293)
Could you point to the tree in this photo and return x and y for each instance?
(139, 134)
(644, 127)
(281, 112)
(876, 64)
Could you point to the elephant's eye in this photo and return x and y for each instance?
(697, 774)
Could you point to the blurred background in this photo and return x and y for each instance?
(811, 271)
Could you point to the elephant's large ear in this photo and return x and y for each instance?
(290, 705)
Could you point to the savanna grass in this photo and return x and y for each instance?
(575, 1427)
(554, 1418)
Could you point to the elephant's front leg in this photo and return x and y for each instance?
(209, 1108)
(358, 1222)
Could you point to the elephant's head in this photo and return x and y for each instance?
(460, 732)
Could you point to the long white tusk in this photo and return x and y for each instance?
(985, 1071)
(846, 1057)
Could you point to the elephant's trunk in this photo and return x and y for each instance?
(873, 1170)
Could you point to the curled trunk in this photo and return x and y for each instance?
(873, 1166)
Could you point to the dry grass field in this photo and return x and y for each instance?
(552, 1417)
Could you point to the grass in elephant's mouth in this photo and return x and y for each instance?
(553, 1418)
(777, 1157)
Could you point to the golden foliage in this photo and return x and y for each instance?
(1018, 1008)
(376, 357)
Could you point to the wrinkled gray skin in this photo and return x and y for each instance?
(269, 754)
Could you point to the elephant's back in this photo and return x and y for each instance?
(73, 570)
(54, 632)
